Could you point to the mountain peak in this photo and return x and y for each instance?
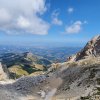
(92, 49)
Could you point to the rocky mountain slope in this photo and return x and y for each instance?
(72, 80)
(92, 49)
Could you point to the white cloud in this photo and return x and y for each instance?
(70, 10)
(55, 19)
(74, 28)
(23, 23)
(4, 16)
(23, 15)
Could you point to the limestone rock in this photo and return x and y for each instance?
(92, 49)
(4, 74)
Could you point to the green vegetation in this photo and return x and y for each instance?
(24, 63)
(18, 70)
(85, 98)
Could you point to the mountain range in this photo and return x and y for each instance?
(76, 79)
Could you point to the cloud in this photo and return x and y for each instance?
(4, 16)
(23, 23)
(74, 28)
(55, 19)
(23, 16)
(70, 10)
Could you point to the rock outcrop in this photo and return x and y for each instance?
(92, 49)
(4, 73)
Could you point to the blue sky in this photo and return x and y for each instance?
(55, 22)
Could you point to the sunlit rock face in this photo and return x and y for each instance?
(92, 49)
(3, 72)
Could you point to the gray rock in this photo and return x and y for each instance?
(92, 49)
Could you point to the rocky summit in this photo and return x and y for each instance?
(92, 49)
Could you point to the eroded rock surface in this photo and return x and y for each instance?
(4, 73)
(92, 49)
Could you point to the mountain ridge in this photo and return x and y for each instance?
(24, 63)
(71, 80)
(92, 48)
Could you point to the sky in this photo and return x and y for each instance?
(49, 22)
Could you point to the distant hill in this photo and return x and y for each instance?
(54, 54)
(20, 64)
